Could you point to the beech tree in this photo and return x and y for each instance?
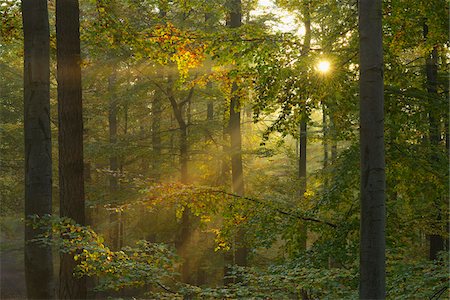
(234, 127)
(372, 164)
(38, 147)
(70, 136)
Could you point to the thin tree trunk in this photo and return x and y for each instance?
(325, 134)
(373, 182)
(210, 106)
(87, 181)
(38, 146)
(113, 164)
(437, 242)
(91, 282)
(303, 131)
(185, 226)
(156, 136)
(112, 124)
(70, 135)
(325, 137)
(302, 177)
(224, 163)
(333, 139)
(210, 103)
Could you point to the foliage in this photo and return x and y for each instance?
(146, 264)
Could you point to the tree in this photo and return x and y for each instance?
(114, 219)
(303, 120)
(372, 172)
(38, 147)
(185, 229)
(234, 126)
(70, 135)
(431, 71)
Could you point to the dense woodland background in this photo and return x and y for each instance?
(219, 160)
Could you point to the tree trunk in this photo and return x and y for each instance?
(303, 128)
(185, 226)
(210, 109)
(236, 143)
(333, 136)
(302, 177)
(325, 135)
(156, 136)
(437, 242)
(373, 183)
(237, 175)
(224, 175)
(38, 146)
(70, 135)
(112, 123)
(114, 223)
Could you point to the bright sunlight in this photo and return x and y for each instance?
(323, 66)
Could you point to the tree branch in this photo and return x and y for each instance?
(292, 215)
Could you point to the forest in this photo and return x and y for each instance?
(224, 149)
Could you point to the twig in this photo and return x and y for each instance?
(165, 288)
(438, 293)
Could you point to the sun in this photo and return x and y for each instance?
(323, 66)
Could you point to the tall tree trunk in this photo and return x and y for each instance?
(237, 175)
(234, 127)
(38, 146)
(70, 135)
(185, 229)
(210, 103)
(184, 158)
(325, 137)
(224, 175)
(373, 182)
(112, 124)
(302, 177)
(325, 134)
(157, 112)
(156, 136)
(437, 242)
(303, 130)
(114, 225)
(333, 136)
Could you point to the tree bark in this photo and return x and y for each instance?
(437, 242)
(70, 135)
(373, 182)
(237, 175)
(304, 127)
(234, 127)
(325, 134)
(156, 136)
(333, 136)
(114, 222)
(38, 147)
(185, 229)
